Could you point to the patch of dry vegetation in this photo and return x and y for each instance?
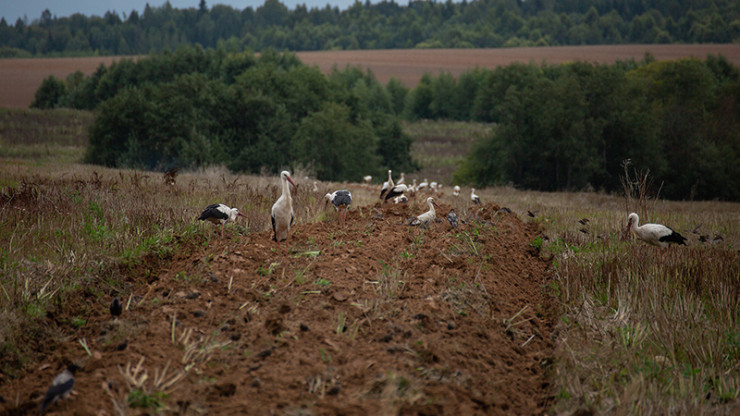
(440, 146)
(643, 330)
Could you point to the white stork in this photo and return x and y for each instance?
(220, 214)
(456, 191)
(474, 198)
(400, 199)
(340, 199)
(282, 210)
(396, 191)
(427, 217)
(367, 178)
(433, 186)
(412, 188)
(387, 185)
(422, 185)
(402, 179)
(654, 234)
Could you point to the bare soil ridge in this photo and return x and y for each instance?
(20, 78)
(376, 318)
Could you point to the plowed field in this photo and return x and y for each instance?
(20, 78)
(377, 318)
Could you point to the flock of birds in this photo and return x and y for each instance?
(282, 214)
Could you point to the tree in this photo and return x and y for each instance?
(50, 93)
(335, 148)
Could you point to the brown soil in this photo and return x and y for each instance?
(20, 78)
(254, 327)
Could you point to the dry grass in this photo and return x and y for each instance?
(642, 330)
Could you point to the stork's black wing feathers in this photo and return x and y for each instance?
(674, 237)
(274, 231)
(212, 211)
(392, 193)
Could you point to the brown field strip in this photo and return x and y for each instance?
(20, 78)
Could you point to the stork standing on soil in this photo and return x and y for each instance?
(340, 199)
(220, 214)
(282, 210)
(387, 185)
(474, 198)
(427, 217)
(400, 199)
(423, 185)
(654, 234)
(456, 191)
(396, 191)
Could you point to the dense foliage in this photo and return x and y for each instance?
(384, 25)
(198, 107)
(570, 127)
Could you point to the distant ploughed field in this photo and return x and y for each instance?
(20, 78)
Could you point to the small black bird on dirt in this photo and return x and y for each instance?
(116, 308)
(60, 387)
(452, 218)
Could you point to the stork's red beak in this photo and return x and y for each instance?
(292, 183)
(239, 214)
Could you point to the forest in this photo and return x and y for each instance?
(383, 25)
(557, 127)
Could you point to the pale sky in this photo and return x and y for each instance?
(11, 10)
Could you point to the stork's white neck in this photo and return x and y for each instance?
(286, 189)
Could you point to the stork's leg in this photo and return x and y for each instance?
(222, 230)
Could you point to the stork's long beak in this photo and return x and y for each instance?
(292, 183)
(239, 214)
(435, 204)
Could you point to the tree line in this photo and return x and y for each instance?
(557, 127)
(198, 107)
(572, 126)
(384, 25)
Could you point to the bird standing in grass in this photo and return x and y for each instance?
(281, 214)
(654, 234)
(474, 198)
(341, 201)
(60, 387)
(116, 308)
(220, 214)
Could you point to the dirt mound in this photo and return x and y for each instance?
(376, 318)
